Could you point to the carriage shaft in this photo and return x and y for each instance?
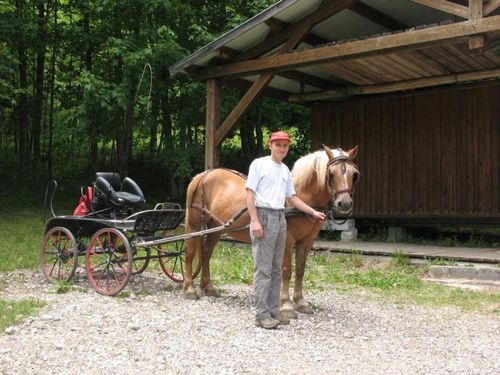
(187, 236)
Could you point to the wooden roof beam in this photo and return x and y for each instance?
(408, 40)
(243, 86)
(374, 15)
(226, 53)
(257, 87)
(276, 26)
(476, 12)
(306, 79)
(446, 7)
(490, 7)
(397, 86)
(327, 9)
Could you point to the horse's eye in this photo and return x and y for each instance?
(355, 177)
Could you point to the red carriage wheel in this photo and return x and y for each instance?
(108, 261)
(171, 257)
(58, 255)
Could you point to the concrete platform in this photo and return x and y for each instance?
(459, 254)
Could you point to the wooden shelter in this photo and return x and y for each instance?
(416, 83)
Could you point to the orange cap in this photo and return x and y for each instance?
(280, 136)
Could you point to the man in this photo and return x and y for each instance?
(269, 183)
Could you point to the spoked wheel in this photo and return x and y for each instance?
(58, 255)
(140, 261)
(171, 257)
(108, 261)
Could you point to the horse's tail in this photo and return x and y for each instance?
(190, 194)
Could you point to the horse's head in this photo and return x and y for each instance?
(342, 174)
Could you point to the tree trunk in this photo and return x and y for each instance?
(153, 135)
(166, 121)
(125, 137)
(51, 108)
(258, 129)
(39, 79)
(22, 107)
(93, 137)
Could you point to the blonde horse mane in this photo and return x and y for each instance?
(310, 167)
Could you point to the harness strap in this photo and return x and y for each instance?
(202, 206)
(205, 210)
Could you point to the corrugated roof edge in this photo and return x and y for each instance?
(231, 34)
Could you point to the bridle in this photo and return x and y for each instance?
(342, 160)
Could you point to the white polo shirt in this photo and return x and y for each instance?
(271, 183)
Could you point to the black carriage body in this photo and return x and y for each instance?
(142, 223)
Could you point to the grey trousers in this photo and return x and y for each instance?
(268, 254)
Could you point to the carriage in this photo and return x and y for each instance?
(116, 238)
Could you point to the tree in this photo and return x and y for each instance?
(85, 86)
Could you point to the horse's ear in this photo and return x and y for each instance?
(353, 152)
(328, 151)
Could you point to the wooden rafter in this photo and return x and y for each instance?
(326, 10)
(402, 41)
(244, 85)
(490, 7)
(257, 87)
(445, 6)
(378, 17)
(277, 26)
(226, 53)
(306, 79)
(397, 86)
(476, 13)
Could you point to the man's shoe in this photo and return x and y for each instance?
(282, 319)
(267, 323)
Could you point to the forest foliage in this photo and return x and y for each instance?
(85, 86)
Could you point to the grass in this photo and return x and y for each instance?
(397, 280)
(12, 312)
(63, 286)
(21, 236)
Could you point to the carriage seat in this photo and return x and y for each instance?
(110, 188)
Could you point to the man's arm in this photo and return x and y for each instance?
(304, 207)
(255, 225)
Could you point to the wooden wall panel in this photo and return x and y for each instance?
(431, 155)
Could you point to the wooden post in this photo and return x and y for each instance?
(476, 42)
(212, 153)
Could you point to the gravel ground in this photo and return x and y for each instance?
(156, 331)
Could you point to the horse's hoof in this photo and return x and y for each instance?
(303, 308)
(288, 311)
(191, 294)
(211, 292)
(290, 314)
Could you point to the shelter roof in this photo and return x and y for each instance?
(326, 49)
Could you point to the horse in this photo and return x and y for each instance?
(323, 179)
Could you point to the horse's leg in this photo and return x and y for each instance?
(302, 251)
(191, 247)
(208, 247)
(287, 309)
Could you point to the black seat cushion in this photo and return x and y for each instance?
(110, 190)
(124, 198)
(112, 177)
